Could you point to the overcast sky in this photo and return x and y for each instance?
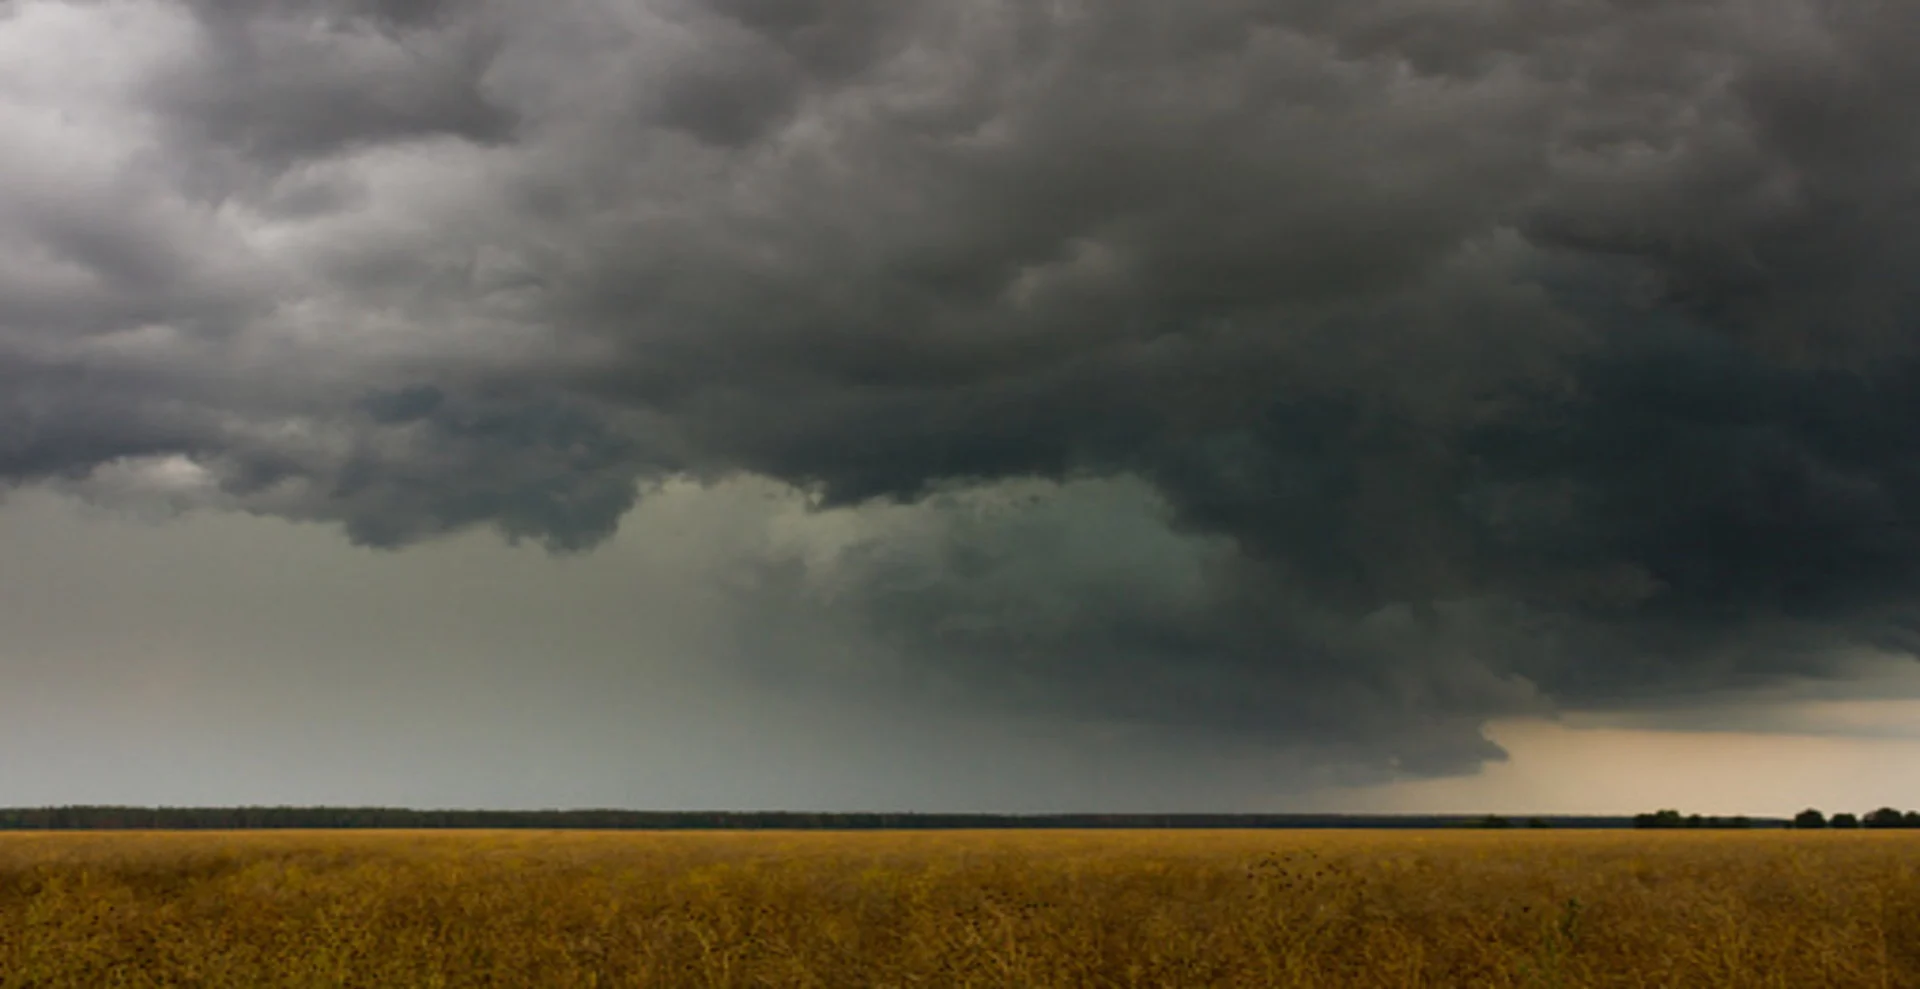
(901, 404)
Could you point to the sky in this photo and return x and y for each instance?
(906, 405)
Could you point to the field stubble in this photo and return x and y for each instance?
(1023, 909)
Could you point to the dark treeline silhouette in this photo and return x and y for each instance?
(1496, 821)
(105, 818)
(1674, 819)
(1885, 817)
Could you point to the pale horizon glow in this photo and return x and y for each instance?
(1557, 769)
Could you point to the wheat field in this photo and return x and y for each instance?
(1024, 909)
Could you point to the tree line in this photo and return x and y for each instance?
(1885, 817)
(1674, 819)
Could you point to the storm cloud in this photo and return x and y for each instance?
(1329, 377)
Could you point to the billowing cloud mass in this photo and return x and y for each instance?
(1326, 376)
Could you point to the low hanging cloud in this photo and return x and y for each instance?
(1328, 376)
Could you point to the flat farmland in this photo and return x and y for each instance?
(955, 909)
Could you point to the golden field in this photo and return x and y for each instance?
(955, 909)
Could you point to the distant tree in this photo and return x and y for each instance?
(1843, 820)
(1885, 817)
(1535, 822)
(1694, 820)
(1495, 821)
(1911, 819)
(1810, 818)
(1658, 819)
(1740, 821)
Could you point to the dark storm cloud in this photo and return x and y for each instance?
(1476, 360)
(284, 81)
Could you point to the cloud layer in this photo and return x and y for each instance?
(1323, 375)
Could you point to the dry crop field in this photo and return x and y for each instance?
(954, 909)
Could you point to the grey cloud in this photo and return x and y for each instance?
(404, 404)
(730, 103)
(383, 13)
(1786, 219)
(538, 470)
(833, 41)
(756, 62)
(1492, 359)
(1077, 599)
(283, 82)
